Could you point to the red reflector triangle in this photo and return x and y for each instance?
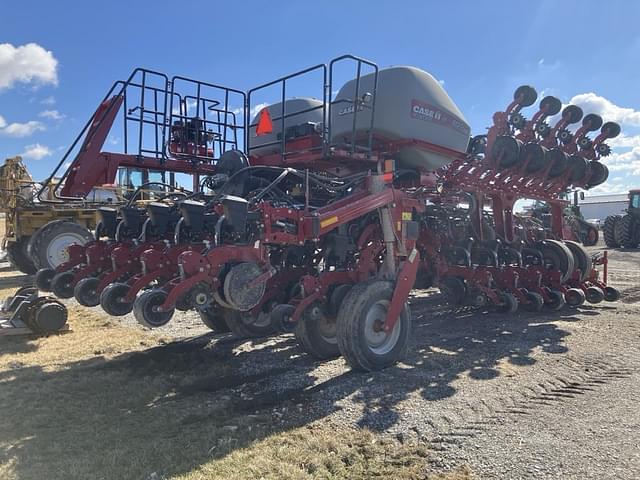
(265, 126)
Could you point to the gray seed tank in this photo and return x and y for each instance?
(409, 104)
(300, 117)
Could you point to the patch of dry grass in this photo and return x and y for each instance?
(102, 403)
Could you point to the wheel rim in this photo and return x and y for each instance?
(327, 327)
(57, 248)
(379, 341)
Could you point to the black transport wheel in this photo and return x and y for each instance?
(454, 290)
(582, 259)
(628, 236)
(45, 315)
(145, 309)
(112, 299)
(316, 332)
(507, 150)
(61, 284)
(556, 300)
(43, 279)
(245, 325)
(509, 303)
(609, 232)
(86, 292)
(48, 246)
(575, 297)
(361, 339)
(557, 256)
(594, 295)
(213, 317)
(611, 294)
(591, 238)
(19, 258)
(536, 302)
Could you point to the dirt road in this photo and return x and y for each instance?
(523, 396)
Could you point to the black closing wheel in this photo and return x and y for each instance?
(316, 332)
(535, 302)
(575, 297)
(19, 258)
(362, 339)
(592, 122)
(112, 299)
(558, 160)
(61, 284)
(556, 300)
(43, 279)
(525, 95)
(246, 325)
(594, 295)
(145, 308)
(611, 129)
(213, 317)
(45, 315)
(572, 114)
(86, 292)
(509, 303)
(611, 294)
(551, 105)
(506, 150)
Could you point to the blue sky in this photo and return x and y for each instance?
(58, 58)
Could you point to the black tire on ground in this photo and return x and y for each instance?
(581, 258)
(618, 232)
(360, 338)
(86, 293)
(558, 256)
(43, 279)
(213, 317)
(61, 284)
(48, 245)
(19, 258)
(245, 325)
(145, 309)
(536, 302)
(509, 303)
(611, 294)
(316, 332)
(575, 297)
(628, 235)
(608, 231)
(557, 301)
(594, 295)
(111, 299)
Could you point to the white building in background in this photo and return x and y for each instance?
(599, 207)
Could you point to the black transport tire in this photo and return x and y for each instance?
(48, 243)
(609, 232)
(558, 256)
(611, 294)
(145, 309)
(362, 346)
(591, 237)
(61, 284)
(316, 332)
(581, 258)
(45, 316)
(575, 297)
(86, 293)
(43, 279)
(213, 317)
(618, 232)
(628, 236)
(245, 325)
(111, 299)
(19, 258)
(536, 302)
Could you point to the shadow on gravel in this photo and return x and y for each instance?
(176, 406)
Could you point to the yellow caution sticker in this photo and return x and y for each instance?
(407, 216)
(328, 221)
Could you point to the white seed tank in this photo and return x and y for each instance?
(410, 104)
(298, 111)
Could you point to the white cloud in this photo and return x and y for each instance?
(624, 141)
(36, 152)
(21, 129)
(609, 111)
(257, 109)
(3, 122)
(28, 63)
(51, 115)
(49, 101)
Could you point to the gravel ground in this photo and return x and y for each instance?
(525, 396)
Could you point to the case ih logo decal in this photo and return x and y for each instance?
(429, 113)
